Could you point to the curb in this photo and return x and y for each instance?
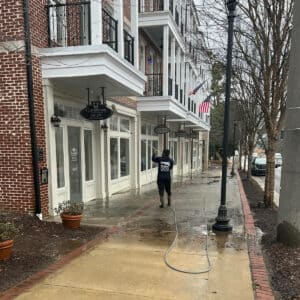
(34, 279)
(260, 275)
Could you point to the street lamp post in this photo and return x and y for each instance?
(222, 221)
(234, 128)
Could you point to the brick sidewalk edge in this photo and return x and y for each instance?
(31, 281)
(260, 275)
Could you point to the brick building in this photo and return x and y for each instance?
(78, 48)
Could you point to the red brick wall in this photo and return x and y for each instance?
(38, 23)
(11, 20)
(16, 175)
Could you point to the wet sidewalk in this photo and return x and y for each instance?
(129, 264)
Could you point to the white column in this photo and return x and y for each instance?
(179, 13)
(120, 18)
(165, 59)
(186, 70)
(98, 161)
(50, 143)
(173, 53)
(135, 31)
(138, 149)
(166, 4)
(178, 61)
(182, 76)
(174, 7)
(135, 161)
(96, 21)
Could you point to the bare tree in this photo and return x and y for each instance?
(249, 112)
(262, 40)
(267, 29)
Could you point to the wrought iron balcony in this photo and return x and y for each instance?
(170, 86)
(176, 91)
(109, 30)
(181, 96)
(151, 6)
(128, 47)
(171, 6)
(69, 24)
(154, 85)
(177, 16)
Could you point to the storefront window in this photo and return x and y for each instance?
(124, 125)
(149, 154)
(144, 129)
(149, 129)
(143, 155)
(149, 145)
(175, 153)
(114, 158)
(88, 150)
(124, 157)
(154, 150)
(114, 123)
(186, 152)
(60, 157)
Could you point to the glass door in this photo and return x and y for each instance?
(74, 145)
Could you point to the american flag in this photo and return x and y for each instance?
(195, 90)
(204, 106)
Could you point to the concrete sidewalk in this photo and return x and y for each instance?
(129, 264)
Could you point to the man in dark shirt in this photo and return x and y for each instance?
(165, 165)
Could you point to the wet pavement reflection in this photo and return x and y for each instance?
(129, 263)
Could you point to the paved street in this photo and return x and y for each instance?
(130, 265)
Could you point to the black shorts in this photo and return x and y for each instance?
(164, 184)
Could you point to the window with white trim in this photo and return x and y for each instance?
(119, 147)
(149, 144)
(173, 147)
(88, 154)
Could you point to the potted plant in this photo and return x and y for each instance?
(7, 233)
(70, 213)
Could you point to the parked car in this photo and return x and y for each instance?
(259, 166)
(278, 160)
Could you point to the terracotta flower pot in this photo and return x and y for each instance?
(5, 249)
(71, 221)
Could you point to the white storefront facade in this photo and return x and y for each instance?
(90, 159)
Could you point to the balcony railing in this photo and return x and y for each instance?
(109, 30)
(69, 24)
(170, 86)
(176, 91)
(154, 85)
(128, 47)
(151, 6)
(177, 17)
(171, 6)
(181, 96)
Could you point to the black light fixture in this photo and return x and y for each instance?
(97, 110)
(181, 132)
(162, 128)
(104, 126)
(222, 220)
(55, 120)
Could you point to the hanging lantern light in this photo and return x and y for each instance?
(97, 110)
(162, 128)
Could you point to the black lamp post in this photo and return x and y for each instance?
(222, 221)
(234, 129)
